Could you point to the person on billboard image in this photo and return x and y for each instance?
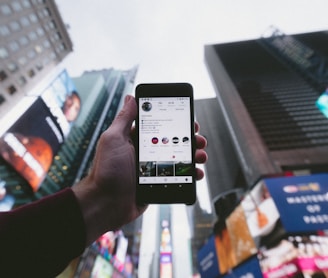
(72, 106)
(40, 239)
(63, 101)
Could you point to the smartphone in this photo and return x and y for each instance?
(166, 144)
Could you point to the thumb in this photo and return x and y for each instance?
(124, 119)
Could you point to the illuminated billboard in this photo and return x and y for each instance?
(279, 230)
(30, 144)
(322, 103)
(63, 101)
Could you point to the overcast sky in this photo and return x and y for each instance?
(166, 38)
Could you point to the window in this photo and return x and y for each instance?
(22, 60)
(46, 61)
(11, 89)
(40, 31)
(46, 12)
(14, 46)
(5, 9)
(26, 3)
(46, 44)
(32, 36)
(39, 66)
(38, 48)
(16, 6)
(24, 21)
(56, 36)
(31, 54)
(2, 99)
(14, 25)
(4, 30)
(60, 48)
(3, 75)
(23, 40)
(12, 67)
(33, 18)
(3, 52)
(31, 73)
(22, 81)
(53, 56)
(52, 25)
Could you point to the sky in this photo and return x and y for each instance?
(166, 38)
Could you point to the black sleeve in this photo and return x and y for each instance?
(41, 238)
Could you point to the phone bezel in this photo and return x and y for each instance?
(166, 193)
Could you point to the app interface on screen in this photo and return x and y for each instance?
(165, 150)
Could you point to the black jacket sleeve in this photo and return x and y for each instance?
(41, 238)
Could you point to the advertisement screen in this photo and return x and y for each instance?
(302, 201)
(30, 144)
(322, 103)
(63, 101)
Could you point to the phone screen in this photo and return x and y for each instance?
(165, 148)
(165, 140)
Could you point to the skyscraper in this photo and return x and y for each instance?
(33, 40)
(101, 95)
(264, 120)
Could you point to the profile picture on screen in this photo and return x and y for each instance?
(146, 106)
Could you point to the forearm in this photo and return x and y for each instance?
(40, 239)
(99, 210)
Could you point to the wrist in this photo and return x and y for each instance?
(96, 208)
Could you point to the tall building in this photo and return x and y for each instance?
(264, 120)
(101, 94)
(33, 40)
(267, 130)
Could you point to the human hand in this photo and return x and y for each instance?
(107, 194)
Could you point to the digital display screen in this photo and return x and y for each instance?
(165, 145)
(322, 103)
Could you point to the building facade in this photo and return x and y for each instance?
(264, 120)
(33, 40)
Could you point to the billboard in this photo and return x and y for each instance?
(279, 229)
(31, 142)
(63, 101)
(322, 103)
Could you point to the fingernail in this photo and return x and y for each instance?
(127, 98)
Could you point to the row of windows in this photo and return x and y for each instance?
(18, 6)
(15, 6)
(15, 46)
(24, 21)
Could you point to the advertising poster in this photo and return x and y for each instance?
(322, 103)
(63, 101)
(279, 229)
(302, 202)
(248, 269)
(166, 264)
(261, 213)
(208, 260)
(31, 142)
(7, 201)
(101, 268)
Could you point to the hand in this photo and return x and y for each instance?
(107, 194)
